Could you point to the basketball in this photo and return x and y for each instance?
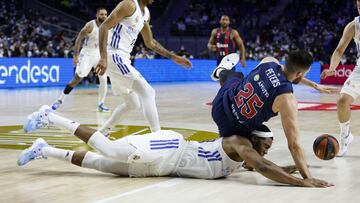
(326, 147)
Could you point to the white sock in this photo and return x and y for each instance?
(102, 89)
(118, 112)
(63, 122)
(58, 153)
(62, 97)
(344, 128)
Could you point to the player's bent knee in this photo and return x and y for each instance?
(344, 101)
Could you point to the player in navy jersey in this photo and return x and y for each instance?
(226, 40)
(242, 105)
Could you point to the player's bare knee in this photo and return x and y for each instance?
(78, 158)
(344, 101)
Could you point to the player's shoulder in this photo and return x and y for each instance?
(127, 5)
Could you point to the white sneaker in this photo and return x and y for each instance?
(33, 152)
(56, 104)
(344, 143)
(227, 63)
(102, 108)
(38, 119)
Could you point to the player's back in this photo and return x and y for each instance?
(123, 36)
(249, 103)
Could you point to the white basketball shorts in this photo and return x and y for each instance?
(122, 74)
(352, 84)
(88, 59)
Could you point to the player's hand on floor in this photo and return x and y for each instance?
(184, 62)
(101, 67)
(313, 182)
(326, 73)
(326, 89)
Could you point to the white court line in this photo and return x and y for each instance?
(164, 184)
(138, 132)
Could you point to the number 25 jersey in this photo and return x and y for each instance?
(249, 103)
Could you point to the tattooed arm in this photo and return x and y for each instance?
(151, 43)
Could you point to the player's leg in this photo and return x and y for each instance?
(344, 115)
(131, 102)
(227, 63)
(82, 70)
(103, 87)
(226, 75)
(68, 88)
(146, 96)
(119, 149)
(40, 149)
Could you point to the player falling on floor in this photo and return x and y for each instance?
(86, 59)
(351, 89)
(127, 20)
(161, 153)
(242, 105)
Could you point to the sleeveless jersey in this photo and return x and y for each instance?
(91, 42)
(249, 103)
(357, 38)
(223, 42)
(123, 36)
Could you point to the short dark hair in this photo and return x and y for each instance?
(298, 60)
(99, 9)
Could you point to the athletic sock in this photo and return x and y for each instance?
(58, 153)
(63, 122)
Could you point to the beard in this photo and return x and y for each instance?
(101, 20)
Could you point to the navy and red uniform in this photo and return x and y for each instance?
(243, 104)
(225, 44)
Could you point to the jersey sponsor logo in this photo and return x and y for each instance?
(220, 45)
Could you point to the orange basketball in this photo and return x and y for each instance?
(326, 147)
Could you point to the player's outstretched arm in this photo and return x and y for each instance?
(151, 43)
(348, 34)
(123, 9)
(82, 34)
(244, 149)
(287, 106)
(318, 87)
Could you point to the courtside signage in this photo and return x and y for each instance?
(35, 72)
(341, 74)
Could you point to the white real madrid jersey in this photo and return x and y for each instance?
(91, 42)
(123, 36)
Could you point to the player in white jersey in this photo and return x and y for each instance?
(127, 20)
(161, 153)
(351, 89)
(87, 58)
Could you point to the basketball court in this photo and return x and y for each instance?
(185, 108)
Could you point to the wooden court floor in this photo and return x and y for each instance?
(181, 106)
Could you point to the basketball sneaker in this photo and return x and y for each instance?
(103, 108)
(344, 143)
(33, 152)
(227, 63)
(38, 119)
(56, 105)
